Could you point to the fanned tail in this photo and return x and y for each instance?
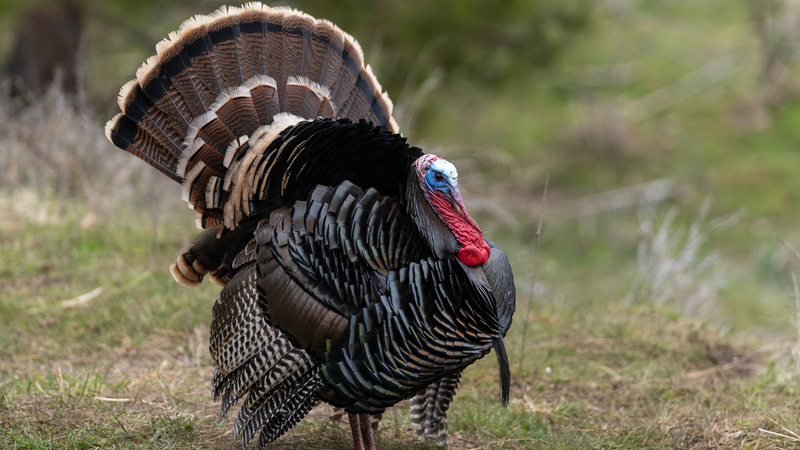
(227, 80)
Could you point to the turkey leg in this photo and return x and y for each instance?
(366, 431)
(362, 431)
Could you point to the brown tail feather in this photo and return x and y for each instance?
(178, 70)
(224, 35)
(349, 71)
(221, 77)
(163, 94)
(365, 93)
(126, 134)
(327, 44)
(251, 43)
(264, 93)
(238, 112)
(317, 52)
(273, 38)
(139, 108)
(296, 30)
(304, 98)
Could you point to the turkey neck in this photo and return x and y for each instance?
(440, 239)
(443, 244)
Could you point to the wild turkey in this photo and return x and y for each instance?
(352, 272)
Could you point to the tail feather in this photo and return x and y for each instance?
(163, 94)
(195, 86)
(251, 42)
(183, 72)
(296, 30)
(264, 94)
(139, 108)
(362, 96)
(127, 135)
(224, 35)
(319, 57)
(349, 71)
(327, 43)
(304, 98)
(236, 110)
(273, 39)
(210, 132)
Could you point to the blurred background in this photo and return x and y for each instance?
(669, 129)
(659, 310)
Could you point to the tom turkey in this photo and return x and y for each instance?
(352, 272)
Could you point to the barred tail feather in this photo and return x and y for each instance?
(221, 77)
(127, 135)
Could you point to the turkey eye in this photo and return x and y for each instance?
(438, 177)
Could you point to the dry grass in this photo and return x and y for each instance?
(155, 395)
(129, 367)
(647, 381)
(57, 149)
(671, 268)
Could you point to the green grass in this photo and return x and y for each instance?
(130, 368)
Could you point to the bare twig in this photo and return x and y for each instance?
(606, 369)
(533, 278)
(81, 300)
(784, 428)
(110, 399)
(788, 246)
(796, 323)
(779, 435)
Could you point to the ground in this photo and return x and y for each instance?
(101, 349)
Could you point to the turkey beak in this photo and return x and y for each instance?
(457, 207)
(455, 199)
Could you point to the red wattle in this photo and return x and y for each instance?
(474, 250)
(474, 256)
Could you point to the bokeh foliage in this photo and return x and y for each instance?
(480, 41)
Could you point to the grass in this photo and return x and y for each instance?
(129, 367)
